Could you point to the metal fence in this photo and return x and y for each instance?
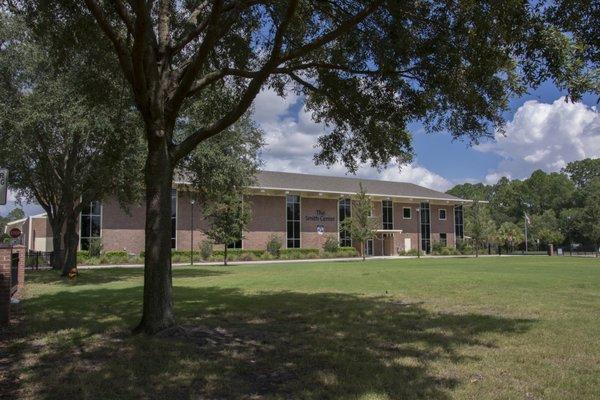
(38, 259)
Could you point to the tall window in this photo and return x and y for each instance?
(91, 220)
(425, 228)
(458, 221)
(388, 214)
(344, 211)
(293, 221)
(173, 218)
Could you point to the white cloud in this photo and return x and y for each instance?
(11, 203)
(545, 136)
(291, 139)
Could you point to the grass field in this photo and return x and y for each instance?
(488, 328)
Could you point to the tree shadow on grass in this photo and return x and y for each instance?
(238, 345)
(109, 275)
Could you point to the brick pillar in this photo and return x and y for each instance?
(5, 278)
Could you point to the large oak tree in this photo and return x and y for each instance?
(366, 68)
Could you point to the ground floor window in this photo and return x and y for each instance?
(443, 239)
(344, 208)
(458, 221)
(293, 221)
(425, 227)
(235, 245)
(91, 223)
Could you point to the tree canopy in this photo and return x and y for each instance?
(62, 138)
(562, 206)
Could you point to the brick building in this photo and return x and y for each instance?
(302, 209)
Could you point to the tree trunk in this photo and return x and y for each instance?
(362, 246)
(225, 256)
(71, 242)
(57, 241)
(157, 312)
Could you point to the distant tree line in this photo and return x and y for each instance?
(562, 208)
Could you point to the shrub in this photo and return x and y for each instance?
(348, 251)
(436, 248)
(247, 256)
(331, 245)
(295, 254)
(274, 245)
(206, 249)
(411, 252)
(95, 247)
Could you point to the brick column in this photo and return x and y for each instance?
(5, 278)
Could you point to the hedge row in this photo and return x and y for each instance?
(181, 256)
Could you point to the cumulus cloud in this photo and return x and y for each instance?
(291, 139)
(12, 202)
(545, 136)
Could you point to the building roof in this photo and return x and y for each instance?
(346, 185)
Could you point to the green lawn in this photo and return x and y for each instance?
(488, 328)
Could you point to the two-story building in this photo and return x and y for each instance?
(301, 209)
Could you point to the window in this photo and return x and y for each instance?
(293, 221)
(442, 214)
(425, 228)
(91, 223)
(388, 214)
(458, 221)
(173, 218)
(235, 245)
(344, 211)
(443, 239)
(407, 213)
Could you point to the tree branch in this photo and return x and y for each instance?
(190, 71)
(124, 15)
(181, 150)
(109, 31)
(345, 27)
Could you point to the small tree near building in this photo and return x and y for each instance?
(590, 221)
(510, 235)
(479, 225)
(546, 228)
(361, 225)
(229, 219)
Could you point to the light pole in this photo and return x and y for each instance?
(192, 201)
(570, 238)
(418, 209)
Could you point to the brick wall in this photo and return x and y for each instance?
(313, 212)
(6, 289)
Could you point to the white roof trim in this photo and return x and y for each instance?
(353, 193)
(17, 221)
(350, 193)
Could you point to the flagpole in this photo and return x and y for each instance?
(525, 232)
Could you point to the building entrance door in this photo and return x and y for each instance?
(370, 247)
(388, 245)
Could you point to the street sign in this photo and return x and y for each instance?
(3, 185)
(14, 233)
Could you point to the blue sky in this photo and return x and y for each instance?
(542, 131)
(457, 161)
